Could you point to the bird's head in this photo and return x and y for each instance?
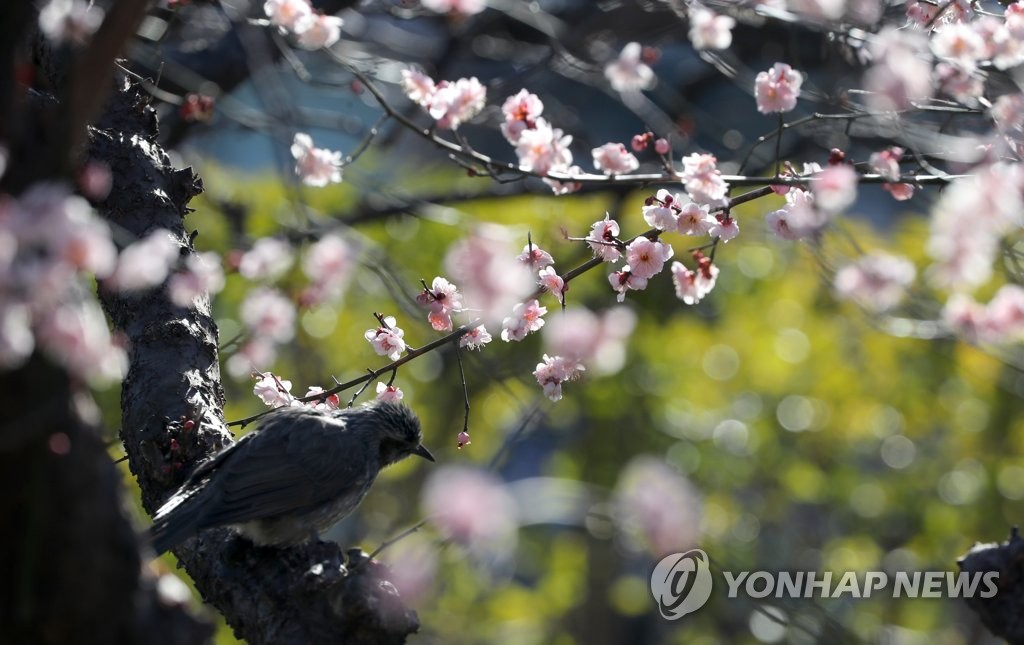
(399, 432)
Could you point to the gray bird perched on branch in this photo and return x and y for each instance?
(297, 474)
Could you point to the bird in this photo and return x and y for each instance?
(298, 473)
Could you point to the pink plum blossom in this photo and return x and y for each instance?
(316, 30)
(389, 393)
(443, 299)
(835, 187)
(273, 391)
(595, 340)
(315, 166)
(286, 14)
(535, 257)
(614, 159)
(543, 149)
(267, 313)
(145, 263)
(418, 87)
(328, 263)
(485, 268)
(646, 258)
(555, 370)
(475, 338)
(268, 259)
(456, 102)
(661, 211)
(625, 280)
(694, 219)
(387, 340)
(521, 112)
(661, 146)
(602, 239)
(777, 89)
(656, 507)
(459, 7)
(75, 335)
(526, 317)
(329, 402)
(629, 72)
(202, 275)
(692, 286)
(472, 507)
(725, 227)
(550, 280)
(703, 181)
(878, 281)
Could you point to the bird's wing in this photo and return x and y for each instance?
(296, 462)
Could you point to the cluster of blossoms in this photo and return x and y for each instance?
(276, 392)
(449, 103)
(541, 148)
(315, 166)
(311, 30)
(443, 299)
(1001, 321)
(267, 314)
(50, 242)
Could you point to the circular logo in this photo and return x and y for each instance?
(681, 583)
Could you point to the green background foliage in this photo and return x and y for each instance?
(816, 440)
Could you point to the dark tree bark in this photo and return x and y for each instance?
(172, 418)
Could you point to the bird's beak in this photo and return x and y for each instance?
(422, 451)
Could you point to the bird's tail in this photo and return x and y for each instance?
(178, 519)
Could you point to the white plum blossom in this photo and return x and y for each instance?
(454, 103)
(709, 30)
(69, 21)
(388, 339)
(629, 72)
(725, 228)
(315, 166)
